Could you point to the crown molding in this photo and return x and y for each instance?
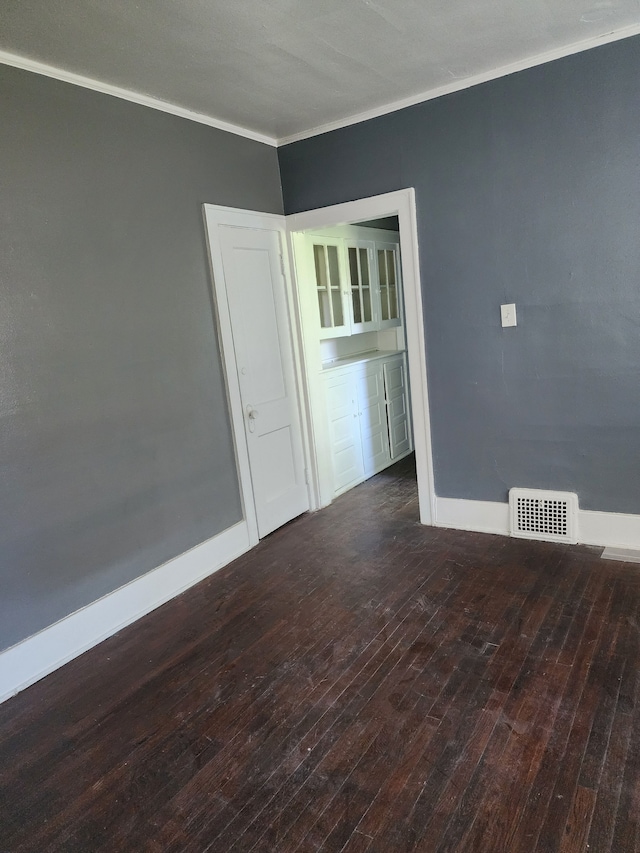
(45, 70)
(23, 62)
(466, 83)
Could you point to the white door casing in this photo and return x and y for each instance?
(401, 203)
(249, 276)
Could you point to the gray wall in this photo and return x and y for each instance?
(386, 223)
(528, 191)
(115, 444)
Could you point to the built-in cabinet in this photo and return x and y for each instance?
(353, 327)
(361, 272)
(333, 309)
(388, 267)
(368, 414)
(357, 285)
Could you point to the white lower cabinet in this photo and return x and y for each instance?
(344, 429)
(369, 424)
(397, 414)
(372, 418)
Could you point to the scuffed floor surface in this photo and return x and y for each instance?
(356, 683)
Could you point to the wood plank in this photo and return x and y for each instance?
(610, 785)
(576, 831)
(358, 682)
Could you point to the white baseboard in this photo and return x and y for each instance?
(610, 529)
(622, 555)
(37, 656)
(481, 516)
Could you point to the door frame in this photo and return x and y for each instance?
(215, 215)
(401, 203)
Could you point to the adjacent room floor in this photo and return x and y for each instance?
(358, 682)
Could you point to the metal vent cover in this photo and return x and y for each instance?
(538, 514)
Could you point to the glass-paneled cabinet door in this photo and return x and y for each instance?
(364, 305)
(388, 260)
(333, 312)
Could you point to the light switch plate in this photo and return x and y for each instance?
(508, 314)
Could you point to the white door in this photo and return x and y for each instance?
(256, 296)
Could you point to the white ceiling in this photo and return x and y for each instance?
(285, 67)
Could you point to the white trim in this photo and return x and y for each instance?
(320, 480)
(240, 217)
(26, 64)
(300, 367)
(480, 516)
(612, 529)
(466, 83)
(606, 529)
(401, 203)
(37, 656)
(622, 555)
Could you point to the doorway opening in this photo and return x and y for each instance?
(362, 341)
(349, 280)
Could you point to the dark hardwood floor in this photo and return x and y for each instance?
(358, 682)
